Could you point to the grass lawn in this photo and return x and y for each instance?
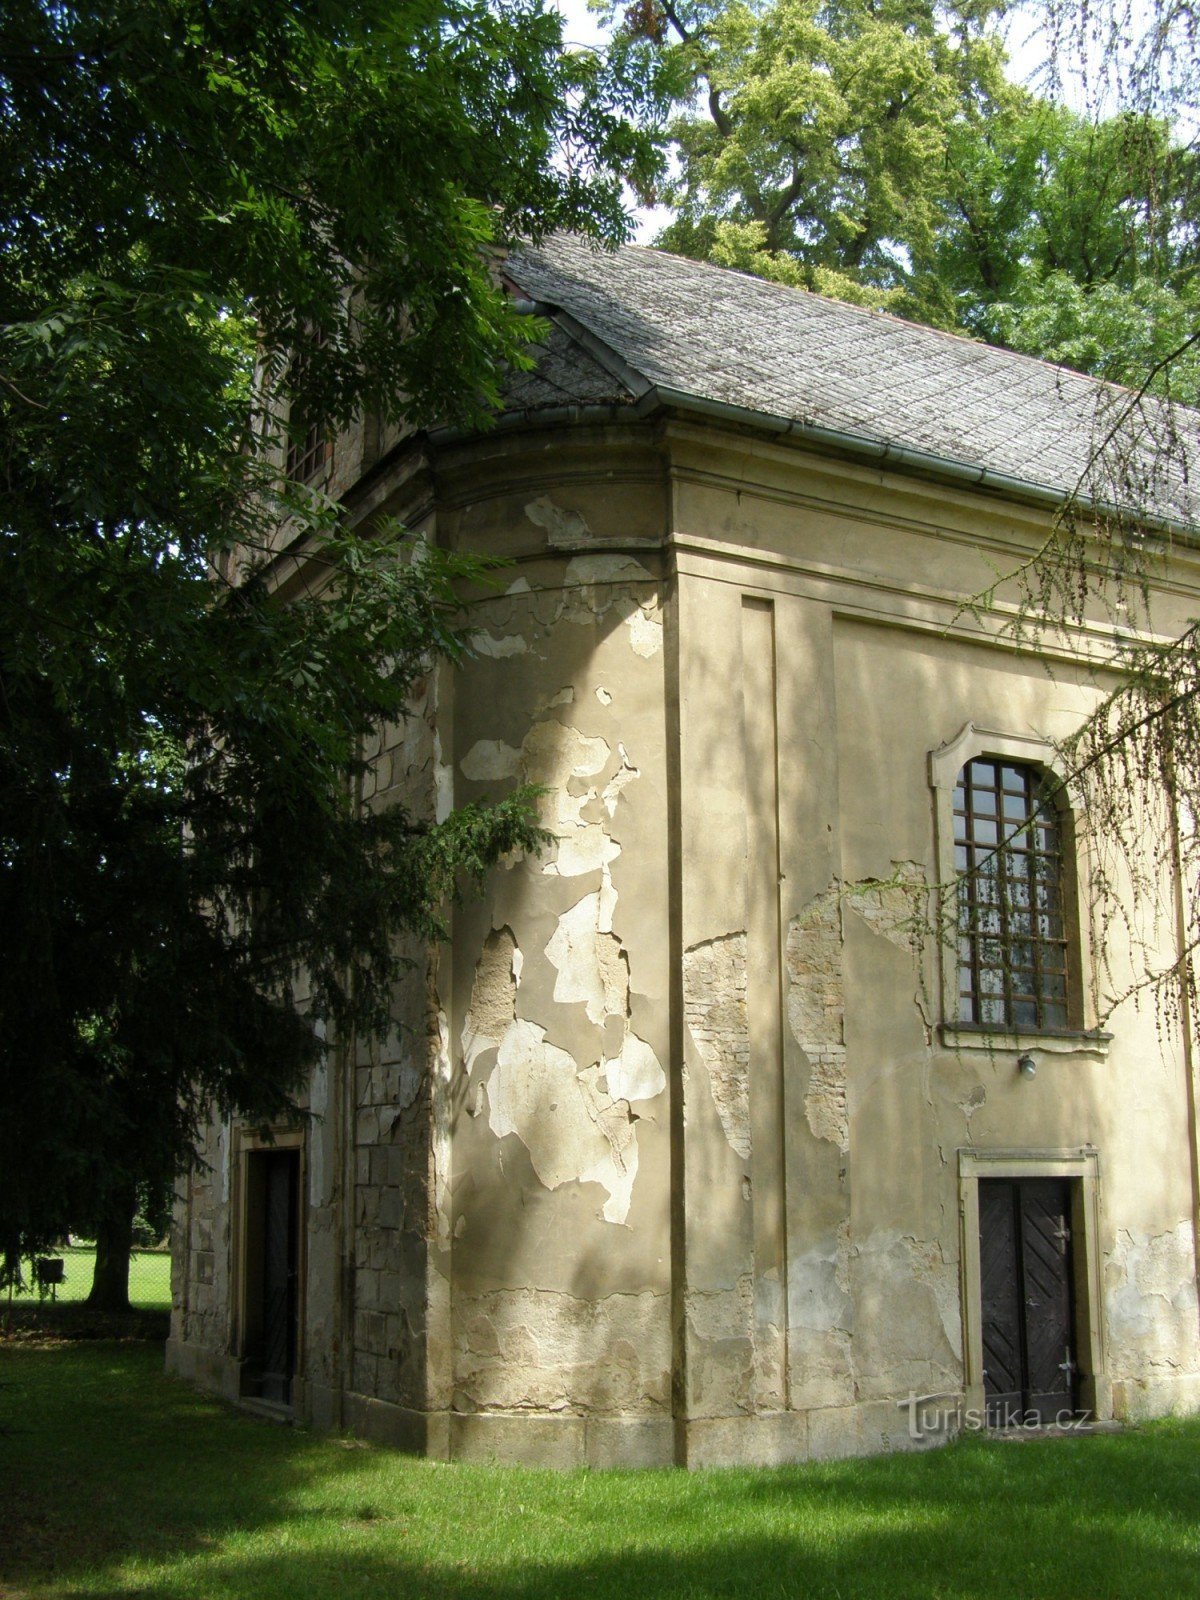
(116, 1483)
(149, 1278)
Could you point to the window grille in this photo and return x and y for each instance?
(307, 454)
(309, 446)
(1012, 944)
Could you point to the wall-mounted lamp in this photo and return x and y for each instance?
(1027, 1066)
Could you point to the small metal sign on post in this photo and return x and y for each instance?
(49, 1272)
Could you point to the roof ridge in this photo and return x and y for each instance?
(724, 336)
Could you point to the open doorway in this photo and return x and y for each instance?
(272, 1259)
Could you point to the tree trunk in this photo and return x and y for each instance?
(114, 1243)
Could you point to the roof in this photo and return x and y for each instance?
(684, 331)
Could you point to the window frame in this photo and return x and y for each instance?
(946, 763)
(308, 460)
(308, 446)
(1010, 836)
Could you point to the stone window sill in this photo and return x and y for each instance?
(1000, 1041)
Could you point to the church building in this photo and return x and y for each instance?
(780, 1109)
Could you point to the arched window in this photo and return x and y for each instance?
(1012, 936)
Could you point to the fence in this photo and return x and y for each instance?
(149, 1277)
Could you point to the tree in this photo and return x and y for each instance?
(1066, 238)
(182, 184)
(812, 139)
(876, 151)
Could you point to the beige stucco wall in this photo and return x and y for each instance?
(823, 625)
(671, 1156)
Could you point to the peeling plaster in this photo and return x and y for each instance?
(909, 1295)
(825, 1102)
(549, 702)
(493, 995)
(558, 758)
(891, 908)
(591, 963)
(551, 755)
(607, 570)
(624, 775)
(816, 1001)
(819, 1288)
(511, 644)
(526, 1349)
(821, 1323)
(560, 526)
(589, 850)
(714, 1004)
(576, 1124)
(645, 634)
(635, 1074)
(929, 1266)
(1151, 1300)
(717, 1315)
(971, 1103)
(440, 1132)
(596, 584)
(573, 1131)
(554, 756)
(443, 780)
(816, 1012)
(490, 759)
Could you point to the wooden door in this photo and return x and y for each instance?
(1026, 1280)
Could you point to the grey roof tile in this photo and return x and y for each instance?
(563, 374)
(723, 336)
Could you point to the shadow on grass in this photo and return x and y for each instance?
(41, 1320)
(863, 1566)
(128, 1484)
(101, 1457)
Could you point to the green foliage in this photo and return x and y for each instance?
(1069, 239)
(1144, 333)
(182, 184)
(875, 151)
(289, 152)
(812, 138)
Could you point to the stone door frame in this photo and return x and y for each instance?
(1082, 1167)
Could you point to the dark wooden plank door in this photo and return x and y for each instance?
(1000, 1292)
(280, 1256)
(1045, 1207)
(1027, 1301)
